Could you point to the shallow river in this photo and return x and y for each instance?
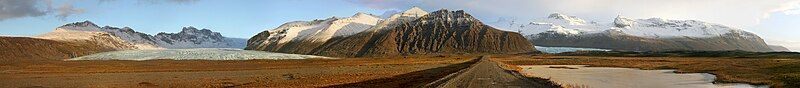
(609, 77)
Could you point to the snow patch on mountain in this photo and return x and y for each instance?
(322, 30)
(398, 18)
(97, 38)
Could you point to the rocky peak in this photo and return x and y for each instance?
(559, 16)
(191, 34)
(414, 12)
(81, 24)
(194, 31)
(188, 29)
(569, 19)
(361, 14)
(458, 16)
(622, 22)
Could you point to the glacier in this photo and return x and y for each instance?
(193, 54)
(565, 49)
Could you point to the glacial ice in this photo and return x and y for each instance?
(193, 54)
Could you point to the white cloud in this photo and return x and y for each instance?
(67, 10)
(789, 8)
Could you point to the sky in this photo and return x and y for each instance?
(774, 20)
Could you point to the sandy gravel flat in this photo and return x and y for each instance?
(251, 73)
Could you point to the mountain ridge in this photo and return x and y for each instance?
(653, 34)
(189, 37)
(415, 32)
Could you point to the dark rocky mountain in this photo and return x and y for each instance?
(440, 32)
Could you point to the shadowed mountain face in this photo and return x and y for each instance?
(440, 32)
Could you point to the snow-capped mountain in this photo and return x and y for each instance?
(289, 36)
(191, 37)
(78, 29)
(188, 38)
(313, 33)
(654, 34)
(322, 30)
(413, 31)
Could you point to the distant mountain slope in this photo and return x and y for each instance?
(779, 48)
(15, 50)
(413, 31)
(189, 37)
(655, 34)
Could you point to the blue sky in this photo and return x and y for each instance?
(775, 20)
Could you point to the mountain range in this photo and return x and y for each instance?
(654, 34)
(84, 38)
(413, 31)
(409, 32)
(127, 38)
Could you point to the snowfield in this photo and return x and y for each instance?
(193, 54)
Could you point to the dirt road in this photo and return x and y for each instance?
(488, 74)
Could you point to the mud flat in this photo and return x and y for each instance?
(610, 77)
